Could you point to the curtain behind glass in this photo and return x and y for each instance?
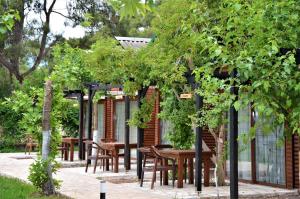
(165, 128)
(270, 156)
(86, 121)
(100, 121)
(120, 121)
(244, 156)
(133, 129)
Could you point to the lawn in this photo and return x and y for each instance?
(11, 188)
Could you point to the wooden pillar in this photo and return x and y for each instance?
(140, 140)
(233, 126)
(198, 145)
(90, 113)
(127, 132)
(81, 130)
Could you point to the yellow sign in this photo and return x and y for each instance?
(186, 95)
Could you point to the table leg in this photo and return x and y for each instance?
(107, 164)
(66, 152)
(72, 152)
(191, 170)
(116, 162)
(206, 171)
(180, 172)
(165, 173)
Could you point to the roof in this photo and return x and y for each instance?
(133, 42)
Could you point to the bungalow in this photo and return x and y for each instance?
(262, 161)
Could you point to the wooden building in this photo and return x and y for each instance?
(262, 161)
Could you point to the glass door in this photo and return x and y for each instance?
(119, 123)
(270, 155)
(244, 156)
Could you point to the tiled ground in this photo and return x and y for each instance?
(78, 184)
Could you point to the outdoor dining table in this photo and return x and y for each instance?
(70, 141)
(115, 147)
(181, 155)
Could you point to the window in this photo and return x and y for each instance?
(165, 128)
(133, 129)
(270, 167)
(86, 116)
(100, 132)
(244, 157)
(244, 149)
(119, 123)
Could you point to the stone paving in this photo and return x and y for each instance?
(124, 185)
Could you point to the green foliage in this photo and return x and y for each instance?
(143, 115)
(129, 8)
(70, 70)
(178, 112)
(15, 188)
(70, 119)
(38, 173)
(7, 20)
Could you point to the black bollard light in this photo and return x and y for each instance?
(102, 189)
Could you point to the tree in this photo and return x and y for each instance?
(48, 187)
(12, 47)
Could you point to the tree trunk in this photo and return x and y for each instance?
(220, 156)
(48, 187)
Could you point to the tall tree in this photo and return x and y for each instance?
(12, 45)
(48, 187)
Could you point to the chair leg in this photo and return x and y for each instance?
(160, 178)
(185, 170)
(174, 173)
(86, 165)
(95, 166)
(30, 149)
(154, 173)
(143, 171)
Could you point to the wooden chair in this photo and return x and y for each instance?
(30, 144)
(101, 154)
(64, 148)
(148, 155)
(161, 164)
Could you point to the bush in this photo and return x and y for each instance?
(38, 173)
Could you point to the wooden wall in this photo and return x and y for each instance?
(149, 132)
(296, 151)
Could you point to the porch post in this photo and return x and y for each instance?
(198, 145)
(127, 132)
(140, 140)
(81, 147)
(233, 143)
(90, 112)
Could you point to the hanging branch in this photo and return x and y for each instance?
(12, 64)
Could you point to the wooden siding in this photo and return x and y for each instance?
(149, 132)
(209, 140)
(157, 120)
(289, 164)
(296, 151)
(108, 116)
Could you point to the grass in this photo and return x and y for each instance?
(11, 188)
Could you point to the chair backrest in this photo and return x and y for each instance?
(155, 152)
(108, 140)
(29, 139)
(163, 146)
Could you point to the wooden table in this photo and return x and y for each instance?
(181, 155)
(70, 141)
(115, 147)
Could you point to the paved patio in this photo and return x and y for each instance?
(123, 185)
